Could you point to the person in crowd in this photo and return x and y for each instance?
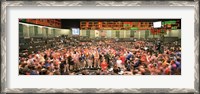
(96, 59)
(104, 65)
(119, 63)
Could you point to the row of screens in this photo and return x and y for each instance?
(76, 31)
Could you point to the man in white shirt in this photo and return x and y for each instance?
(119, 63)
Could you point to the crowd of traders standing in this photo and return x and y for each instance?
(104, 58)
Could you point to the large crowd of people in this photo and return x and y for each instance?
(106, 57)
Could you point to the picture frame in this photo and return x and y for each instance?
(5, 4)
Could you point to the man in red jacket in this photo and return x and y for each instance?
(104, 65)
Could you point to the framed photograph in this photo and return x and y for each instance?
(100, 47)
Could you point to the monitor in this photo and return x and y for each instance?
(157, 24)
(75, 31)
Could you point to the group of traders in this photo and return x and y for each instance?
(105, 57)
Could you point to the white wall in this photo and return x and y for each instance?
(175, 33)
(113, 34)
(92, 34)
(25, 31)
(44, 31)
(40, 31)
(63, 32)
(30, 31)
(137, 34)
(121, 33)
(83, 32)
(179, 36)
(127, 33)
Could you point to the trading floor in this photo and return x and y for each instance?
(72, 52)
